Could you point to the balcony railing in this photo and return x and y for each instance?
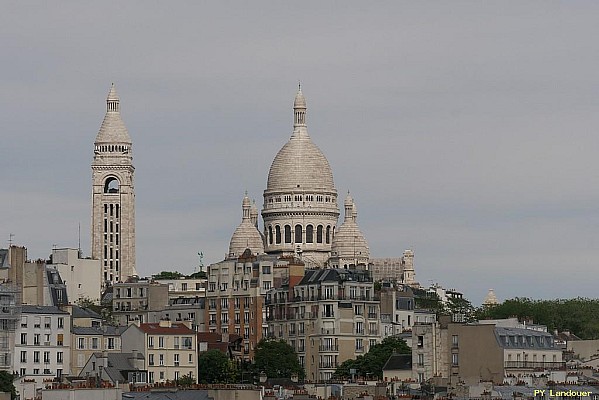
(328, 365)
(327, 347)
(330, 314)
(533, 364)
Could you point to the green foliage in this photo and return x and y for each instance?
(578, 316)
(198, 275)
(371, 364)
(185, 381)
(6, 384)
(461, 306)
(168, 275)
(105, 311)
(215, 367)
(277, 359)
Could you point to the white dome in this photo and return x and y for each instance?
(349, 243)
(300, 165)
(246, 236)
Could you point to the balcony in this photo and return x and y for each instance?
(330, 314)
(372, 315)
(328, 347)
(327, 331)
(534, 364)
(330, 365)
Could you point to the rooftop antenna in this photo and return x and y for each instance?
(10, 237)
(79, 242)
(201, 263)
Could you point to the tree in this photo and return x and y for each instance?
(105, 311)
(372, 363)
(185, 381)
(277, 359)
(6, 384)
(215, 367)
(168, 275)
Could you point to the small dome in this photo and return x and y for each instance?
(300, 100)
(349, 242)
(246, 236)
(113, 129)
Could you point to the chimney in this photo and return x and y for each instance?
(164, 323)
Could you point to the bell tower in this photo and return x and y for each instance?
(113, 197)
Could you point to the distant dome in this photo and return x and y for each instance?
(246, 235)
(349, 243)
(113, 129)
(490, 299)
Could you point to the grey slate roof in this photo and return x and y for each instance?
(79, 312)
(518, 338)
(398, 362)
(4, 258)
(30, 309)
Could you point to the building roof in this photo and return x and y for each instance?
(80, 312)
(518, 338)
(398, 362)
(4, 258)
(174, 329)
(31, 309)
(171, 394)
(313, 276)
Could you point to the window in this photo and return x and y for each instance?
(358, 309)
(190, 358)
(319, 234)
(287, 234)
(151, 341)
(298, 234)
(277, 234)
(161, 342)
(161, 375)
(46, 357)
(111, 343)
(94, 343)
(454, 359)
(23, 371)
(24, 321)
(309, 234)
(266, 285)
(36, 339)
(454, 341)
(176, 360)
(176, 342)
(59, 339)
(23, 356)
(37, 322)
(187, 343)
(59, 356)
(47, 322)
(161, 360)
(359, 344)
(150, 359)
(60, 323)
(23, 338)
(150, 377)
(360, 328)
(420, 341)
(36, 357)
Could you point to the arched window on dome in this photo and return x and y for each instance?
(328, 238)
(298, 234)
(309, 234)
(287, 234)
(319, 234)
(278, 234)
(270, 235)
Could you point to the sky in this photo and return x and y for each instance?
(466, 131)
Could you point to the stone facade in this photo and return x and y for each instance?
(113, 197)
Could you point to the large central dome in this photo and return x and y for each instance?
(300, 201)
(300, 163)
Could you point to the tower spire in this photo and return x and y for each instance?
(112, 101)
(299, 108)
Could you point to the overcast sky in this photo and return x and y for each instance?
(467, 131)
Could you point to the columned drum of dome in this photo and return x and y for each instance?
(113, 196)
(300, 209)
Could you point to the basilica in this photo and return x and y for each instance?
(300, 213)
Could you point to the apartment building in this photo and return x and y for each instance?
(452, 351)
(235, 295)
(329, 316)
(82, 276)
(86, 341)
(168, 348)
(43, 343)
(138, 300)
